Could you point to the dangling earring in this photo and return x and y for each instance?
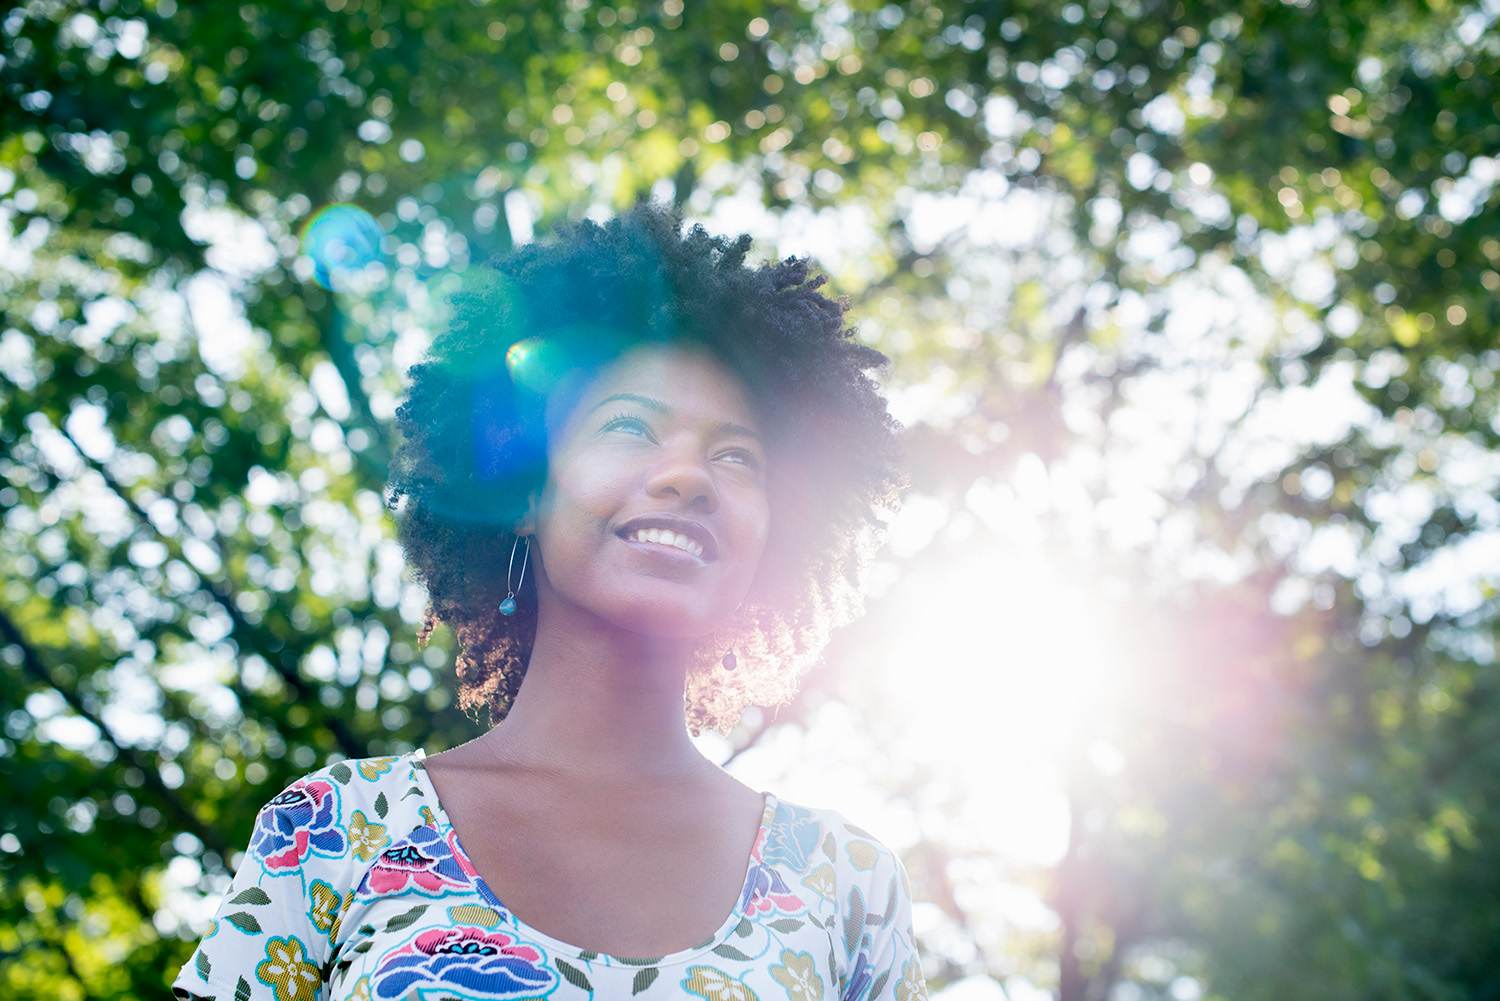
(729, 660)
(508, 606)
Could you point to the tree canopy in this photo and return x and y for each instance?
(1191, 308)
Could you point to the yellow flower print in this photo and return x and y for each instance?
(715, 985)
(368, 840)
(821, 881)
(325, 906)
(862, 854)
(428, 817)
(799, 975)
(287, 970)
(912, 987)
(373, 768)
(361, 990)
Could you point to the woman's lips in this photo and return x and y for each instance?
(670, 534)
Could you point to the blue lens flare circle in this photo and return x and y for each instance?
(341, 240)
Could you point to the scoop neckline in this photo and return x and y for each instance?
(418, 760)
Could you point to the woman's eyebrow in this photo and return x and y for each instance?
(645, 401)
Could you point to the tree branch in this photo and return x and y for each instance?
(32, 662)
(223, 593)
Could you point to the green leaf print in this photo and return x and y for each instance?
(854, 921)
(879, 984)
(403, 920)
(242, 990)
(644, 979)
(244, 921)
(730, 952)
(652, 961)
(341, 772)
(254, 895)
(830, 846)
(784, 925)
(381, 806)
(203, 965)
(574, 976)
(890, 907)
(744, 928)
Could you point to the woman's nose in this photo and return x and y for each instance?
(684, 473)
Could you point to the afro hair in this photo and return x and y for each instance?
(521, 332)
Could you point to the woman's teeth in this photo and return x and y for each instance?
(663, 537)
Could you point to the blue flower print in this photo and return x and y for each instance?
(464, 963)
(301, 821)
(791, 839)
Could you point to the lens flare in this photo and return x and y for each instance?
(341, 241)
(536, 363)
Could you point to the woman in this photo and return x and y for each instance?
(640, 481)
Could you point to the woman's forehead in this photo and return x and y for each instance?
(673, 381)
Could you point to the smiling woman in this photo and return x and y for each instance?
(640, 480)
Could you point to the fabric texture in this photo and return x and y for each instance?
(355, 888)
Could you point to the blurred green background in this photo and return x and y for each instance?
(1178, 675)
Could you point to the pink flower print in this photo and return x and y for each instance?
(765, 890)
(424, 862)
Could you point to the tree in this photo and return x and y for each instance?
(1070, 214)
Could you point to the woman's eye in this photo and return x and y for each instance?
(627, 424)
(742, 457)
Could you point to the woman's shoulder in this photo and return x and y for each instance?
(809, 839)
(350, 809)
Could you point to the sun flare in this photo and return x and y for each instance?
(1001, 672)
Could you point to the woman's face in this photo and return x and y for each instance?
(654, 514)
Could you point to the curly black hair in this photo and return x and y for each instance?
(521, 331)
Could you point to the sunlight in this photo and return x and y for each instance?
(1000, 681)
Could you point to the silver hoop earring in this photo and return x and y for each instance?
(508, 606)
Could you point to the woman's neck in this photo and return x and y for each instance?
(600, 703)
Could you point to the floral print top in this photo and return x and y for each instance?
(355, 888)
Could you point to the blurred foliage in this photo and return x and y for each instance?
(1078, 229)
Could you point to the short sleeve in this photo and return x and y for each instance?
(894, 969)
(271, 937)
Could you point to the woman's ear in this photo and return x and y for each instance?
(526, 526)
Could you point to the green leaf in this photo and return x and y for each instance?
(341, 772)
(784, 925)
(381, 806)
(854, 920)
(645, 978)
(744, 928)
(573, 975)
(242, 990)
(405, 920)
(879, 984)
(203, 964)
(730, 952)
(244, 921)
(254, 895)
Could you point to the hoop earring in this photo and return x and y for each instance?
(508, 606)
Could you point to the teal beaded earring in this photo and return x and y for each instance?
(508, 606)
